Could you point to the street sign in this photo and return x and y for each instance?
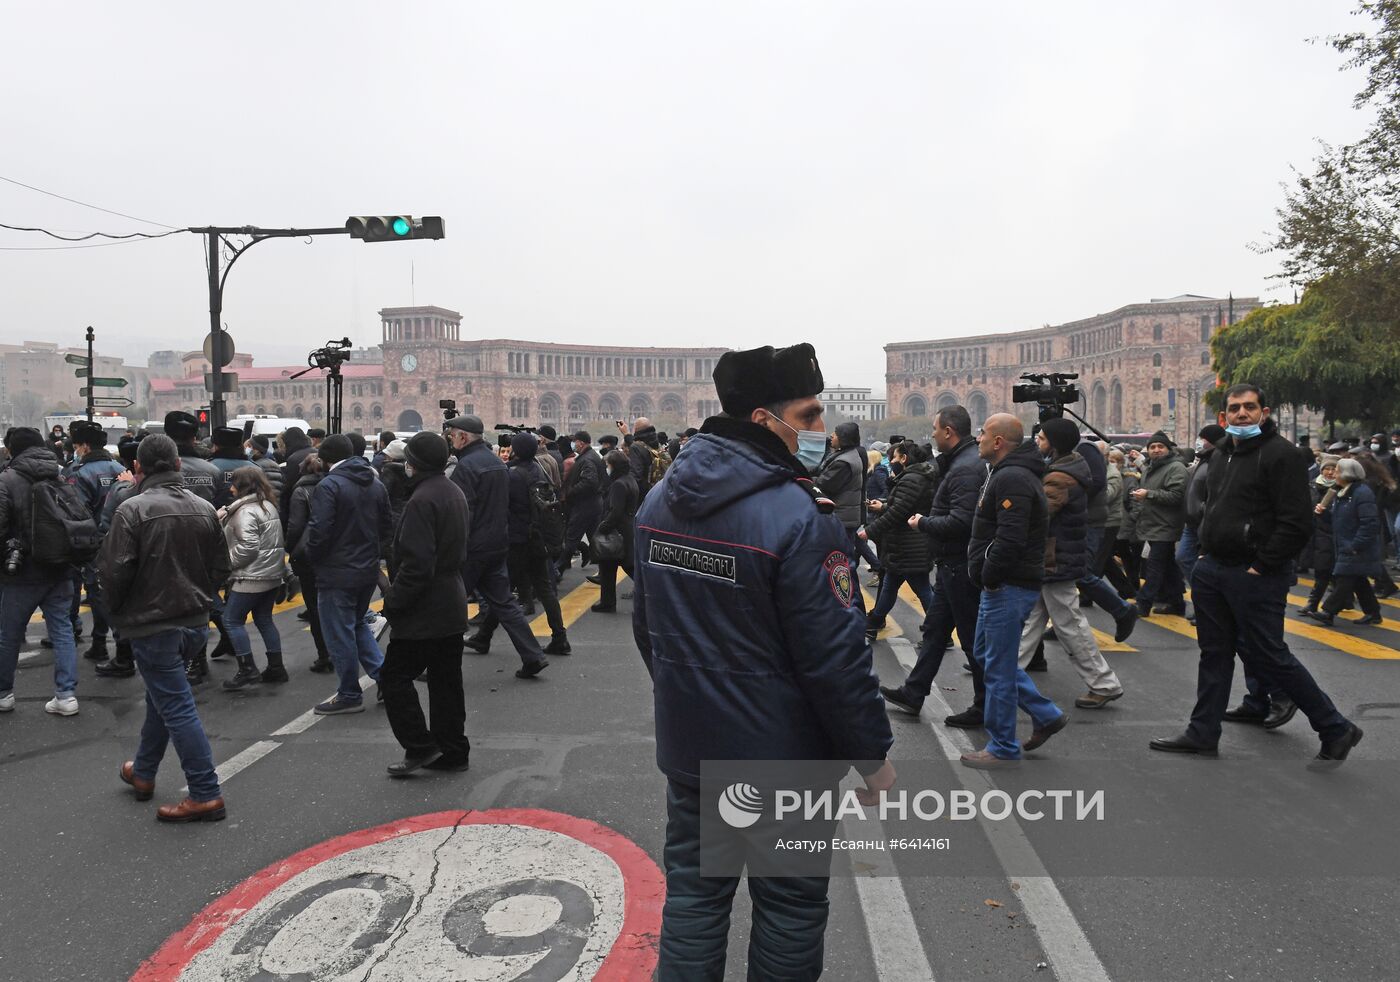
(82, 372)
(229, 380)
(77, 359)
(108, 383)
(226, 348)
(113, 403)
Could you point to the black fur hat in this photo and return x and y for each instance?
(746, 380)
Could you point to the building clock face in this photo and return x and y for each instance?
(408, 362)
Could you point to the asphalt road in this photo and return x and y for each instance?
(93, 887)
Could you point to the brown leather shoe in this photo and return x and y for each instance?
(143, 789)
(192, 811)
(985, 760)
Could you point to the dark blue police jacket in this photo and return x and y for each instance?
(747, 614)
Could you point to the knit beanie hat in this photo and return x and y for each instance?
(1062, 434)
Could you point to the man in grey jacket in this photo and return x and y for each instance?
(161, 567)
(1161, 517)
(842, 479)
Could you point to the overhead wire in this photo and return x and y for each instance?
(109, 211)
(91, 235)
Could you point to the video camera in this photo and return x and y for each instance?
(332, 356)
(516, 429)
(1051, 391)
(449, 408)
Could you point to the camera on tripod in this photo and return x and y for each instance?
(332, 356)
(1051, 391)
(515, 429)
(449, 408)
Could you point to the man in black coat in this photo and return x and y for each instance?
(948, 524)
(483, 479)
(295, 446)
(1258, 516)
(427, 609)
(642, 453)
(584, 487)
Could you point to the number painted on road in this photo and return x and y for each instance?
(510, 895)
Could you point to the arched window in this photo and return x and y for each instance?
(915, 405)
(1115, 411)
(376, 411)
(298, 412)
(422, 388)
(1157, 360)
(1205, 357)
(358, 412)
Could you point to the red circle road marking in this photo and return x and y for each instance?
(633, 954)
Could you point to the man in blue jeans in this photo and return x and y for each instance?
(1006, 559)
(349, 529)
(32, 587)
(161, 566)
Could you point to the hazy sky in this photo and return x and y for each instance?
(730, 173)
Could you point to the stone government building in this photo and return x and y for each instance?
(425, 359)
(1141, 368)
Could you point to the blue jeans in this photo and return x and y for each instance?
(789, 912)
(170, 713)
(889, 593)
(1188, 550)
(1241, 613)
(236, 618)
(349, 640)
(1000, 616)
(1096, 587)
(18, 601)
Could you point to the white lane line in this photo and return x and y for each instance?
(242, 760)
(309, 718)
(895, 944)
(1066, 947)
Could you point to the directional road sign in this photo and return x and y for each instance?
(109, 383)
(112, 403)
(82, 372)
(76, 359)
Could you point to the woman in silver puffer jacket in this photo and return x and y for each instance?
(253, 531)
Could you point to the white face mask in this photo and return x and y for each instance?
(1375, 448)
(1200, 445)
(408, 468)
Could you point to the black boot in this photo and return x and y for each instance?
(322, 665)
(275, 670)
(246, 675)
(479, 643)
(98, 651)
(559, 645)
(197, 669)
(222, 650)
(121, 666)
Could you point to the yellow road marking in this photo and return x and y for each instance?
(1389, 602)
(1384, 625)
(1105, 641)
(1359, 647)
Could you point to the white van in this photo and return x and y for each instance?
(268, 426)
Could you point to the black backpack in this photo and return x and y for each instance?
(546, 519)
(61, 531)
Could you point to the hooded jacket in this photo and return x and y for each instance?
(1008, 530)
(482, 478)
(350, 527)
(1258, 510)
(426, 597)
(903, 549)
(1161, 516)
(948, 523)
(253, 531)
(1068, 484)
(16, 489)
(746, 614)
(164, 561)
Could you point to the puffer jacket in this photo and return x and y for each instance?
(948, 523)
(1068, 482)
(1356, 532)
(253, 531)
(16, 488)
(842, 479)
(1161, 515)
(299, 515)
(273, 471)
(164, 561)
(1113, 497)
(903, 549)
(745, 613)
(1008, 530)
(877, 484)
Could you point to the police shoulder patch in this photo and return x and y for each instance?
(838, 574)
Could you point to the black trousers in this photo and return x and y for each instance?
(306, 573)
(531, 576)
(1130, 553)
(955, 602)
(582, 522)
(447, 706)
(489, 576)
(607, 579)
(1343, 586)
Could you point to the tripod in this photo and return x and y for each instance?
(335, 383)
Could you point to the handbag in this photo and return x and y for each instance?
(608, 546)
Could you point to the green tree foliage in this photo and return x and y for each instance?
(1338, 350)
(1305, 354)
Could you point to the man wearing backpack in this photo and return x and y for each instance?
(484, 482)
(645, 456)
(32, 579)
(583, 497)
(92, 472)
(535, 527)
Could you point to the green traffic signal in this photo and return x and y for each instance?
(401, 226)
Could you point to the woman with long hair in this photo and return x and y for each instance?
(253, 531)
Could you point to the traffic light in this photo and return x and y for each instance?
(202, 418)
(392, 228)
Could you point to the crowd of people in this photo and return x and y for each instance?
(743, 539)
(173, 534)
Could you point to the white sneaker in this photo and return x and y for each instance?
(377, 626)
(62, 707)
(7, 702)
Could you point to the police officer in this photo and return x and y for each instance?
(747, 619)
(92, 472)
(228, 456)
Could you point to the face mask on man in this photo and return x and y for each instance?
(1375, 448)
(1200, 445)
(811, 445)
(1244, 432)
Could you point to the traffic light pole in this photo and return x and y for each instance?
(91, 372)
(218, 276)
